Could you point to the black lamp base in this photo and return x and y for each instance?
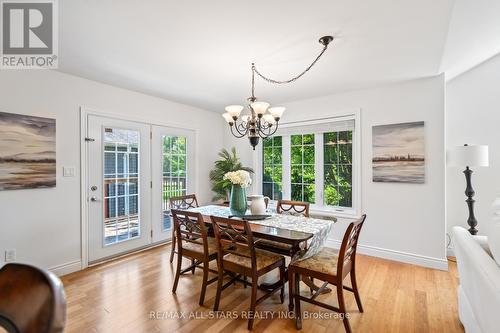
(469, 192)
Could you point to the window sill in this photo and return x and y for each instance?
(349, 214)
(325, 212)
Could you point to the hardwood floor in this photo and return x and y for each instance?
(123, 295)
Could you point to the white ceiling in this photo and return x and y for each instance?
(473, 37)
(199, 52)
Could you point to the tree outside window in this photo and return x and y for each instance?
(272, 175)
(302, 167)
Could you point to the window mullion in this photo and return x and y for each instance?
(318, 169)
(286, 155)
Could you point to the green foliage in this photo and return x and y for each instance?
(228, 161)
(174, 156)
(302, 167)
(338, 168)
(272, 167)
(332, 196)
(174, 166)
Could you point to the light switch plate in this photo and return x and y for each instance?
(68, 171)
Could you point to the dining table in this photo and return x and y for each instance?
(288, 229)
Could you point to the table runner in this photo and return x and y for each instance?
(318, 227)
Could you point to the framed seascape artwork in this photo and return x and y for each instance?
(27, 152)
(399, 153)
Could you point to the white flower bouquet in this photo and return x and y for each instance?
(239, 177)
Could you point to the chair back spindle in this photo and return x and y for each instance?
(297, 208)
(190, 228)
(347, 253)
(180, 202)
(234, 237)
(183, 202)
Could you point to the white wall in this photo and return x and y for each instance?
(473, 36)
(473, 116)
(43, 225)
(405, 222)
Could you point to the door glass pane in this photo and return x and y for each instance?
(174, 173)
(121, 185)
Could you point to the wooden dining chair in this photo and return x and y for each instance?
(193, 243)
(330, 266)
(298, 208)
(32, 300)
(238, 256)
(286, 207)
(181, 202)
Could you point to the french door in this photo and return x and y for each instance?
(173, 152)
(133, 168)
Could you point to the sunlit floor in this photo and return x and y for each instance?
(133, 294)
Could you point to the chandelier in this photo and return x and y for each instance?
(262, 121)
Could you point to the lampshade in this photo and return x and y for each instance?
(277, 111)
(462, 156)
(234, 110)
(259, 107)
(228, 117)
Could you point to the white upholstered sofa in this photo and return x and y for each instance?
(479, 289)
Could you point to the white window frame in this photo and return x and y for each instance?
(319, 209)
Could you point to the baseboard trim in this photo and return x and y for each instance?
(405, 257)
(400, 256)
(67, 268)
(129, 253)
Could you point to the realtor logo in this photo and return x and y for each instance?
(29, 34)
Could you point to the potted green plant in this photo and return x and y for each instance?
(228, 162)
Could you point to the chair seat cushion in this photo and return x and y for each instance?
(194, 247)
(323, 262)
(263, 259)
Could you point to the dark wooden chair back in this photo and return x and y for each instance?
(180, 202)
(235, 237)
(347, 252)
(184, 202)
(31, 300)
(190, 228)
(292, 207)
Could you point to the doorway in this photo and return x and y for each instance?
(132, 169)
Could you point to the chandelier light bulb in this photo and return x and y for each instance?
(234, 110)
(227, 117)
(259, 107)
(277, 111)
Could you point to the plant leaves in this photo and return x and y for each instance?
(229, 161)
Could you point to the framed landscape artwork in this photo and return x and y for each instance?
(27, 152)
(399, 153)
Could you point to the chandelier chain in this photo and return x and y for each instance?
(295, 78)
(260, 124)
